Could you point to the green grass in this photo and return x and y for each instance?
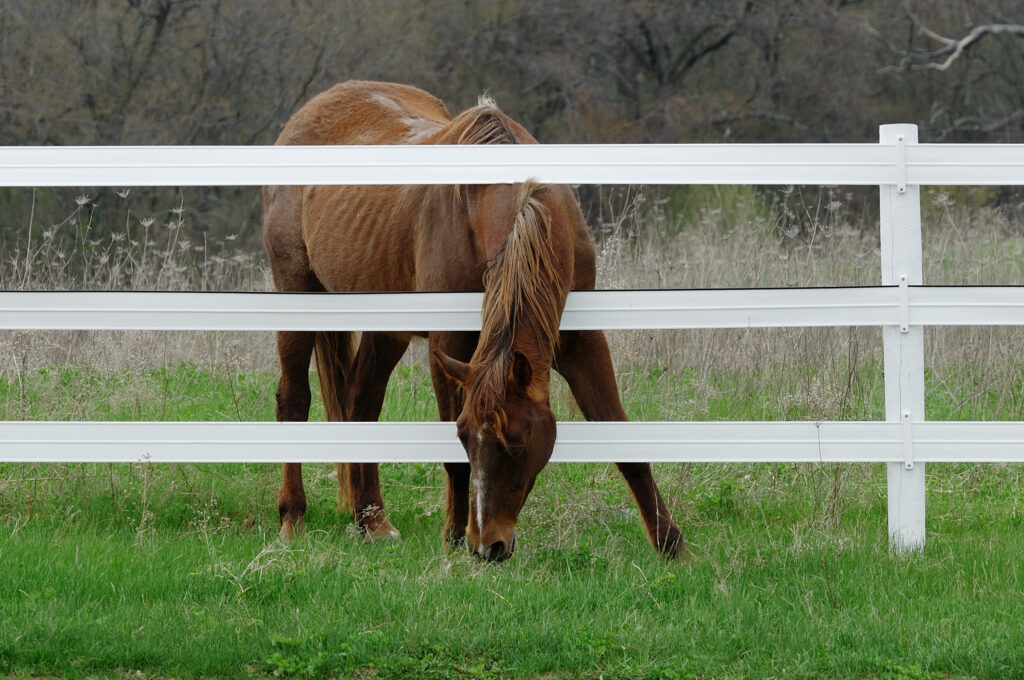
(109, 570)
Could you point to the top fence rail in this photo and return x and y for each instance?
(840, 164)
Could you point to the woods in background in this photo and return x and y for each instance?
(224, 72)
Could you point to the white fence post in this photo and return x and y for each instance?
(903, 346)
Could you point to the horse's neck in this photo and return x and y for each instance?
(533, 344)
(526, 286)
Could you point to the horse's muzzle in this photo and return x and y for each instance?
(498, 551)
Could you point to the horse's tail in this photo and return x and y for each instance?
(334, 354)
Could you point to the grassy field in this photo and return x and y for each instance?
(130, 571)
(176, 570)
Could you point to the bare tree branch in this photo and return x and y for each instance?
(952, 48)
(957, 47)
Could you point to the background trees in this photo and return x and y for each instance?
(219, 72)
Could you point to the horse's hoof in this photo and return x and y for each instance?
(454, 539)
(384, 531)
(674, 548)
(292, 529)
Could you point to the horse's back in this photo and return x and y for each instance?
(309, 253)
(362, 112)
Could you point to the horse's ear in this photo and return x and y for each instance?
(521, 372)
(453, 368)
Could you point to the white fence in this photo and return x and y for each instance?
(901, 305)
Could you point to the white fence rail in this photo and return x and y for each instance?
(855, 164)
(716, 442)
(578, 442)
(902, 306)
(606, 309)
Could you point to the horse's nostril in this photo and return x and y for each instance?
(496, 552)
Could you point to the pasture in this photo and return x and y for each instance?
(177, 571)
(157, 571)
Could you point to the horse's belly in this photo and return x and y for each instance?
(356, 241)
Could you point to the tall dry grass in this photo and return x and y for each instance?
(727, 238)
(147, 252)
(812, 238)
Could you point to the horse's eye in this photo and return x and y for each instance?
(516, 450)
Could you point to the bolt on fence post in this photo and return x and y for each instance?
(900, 226)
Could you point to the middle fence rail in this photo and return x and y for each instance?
(584, 310)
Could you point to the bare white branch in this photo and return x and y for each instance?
(957, 47)
(917, 59)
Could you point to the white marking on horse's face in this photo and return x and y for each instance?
(478, 489)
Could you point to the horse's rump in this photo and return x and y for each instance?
(360, 112)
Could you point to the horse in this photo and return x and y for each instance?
(525, 245)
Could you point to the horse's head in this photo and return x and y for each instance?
(508, 443)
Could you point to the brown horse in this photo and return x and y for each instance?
(526, 245)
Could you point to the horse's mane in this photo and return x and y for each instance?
(522, 284)
(522, 291)
(484, 123)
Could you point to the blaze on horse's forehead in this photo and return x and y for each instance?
(480, 425)
(510, 426)
(496, 423)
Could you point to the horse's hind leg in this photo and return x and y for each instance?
(282, 237)
(585, 363)
(293, 397)
(375, 360)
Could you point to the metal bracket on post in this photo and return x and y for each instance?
(908, 442)
(904, 304)
(901, 164)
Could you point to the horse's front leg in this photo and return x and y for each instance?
(449, 406)
(584, 361)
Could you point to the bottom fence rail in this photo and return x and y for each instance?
(792, 442)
